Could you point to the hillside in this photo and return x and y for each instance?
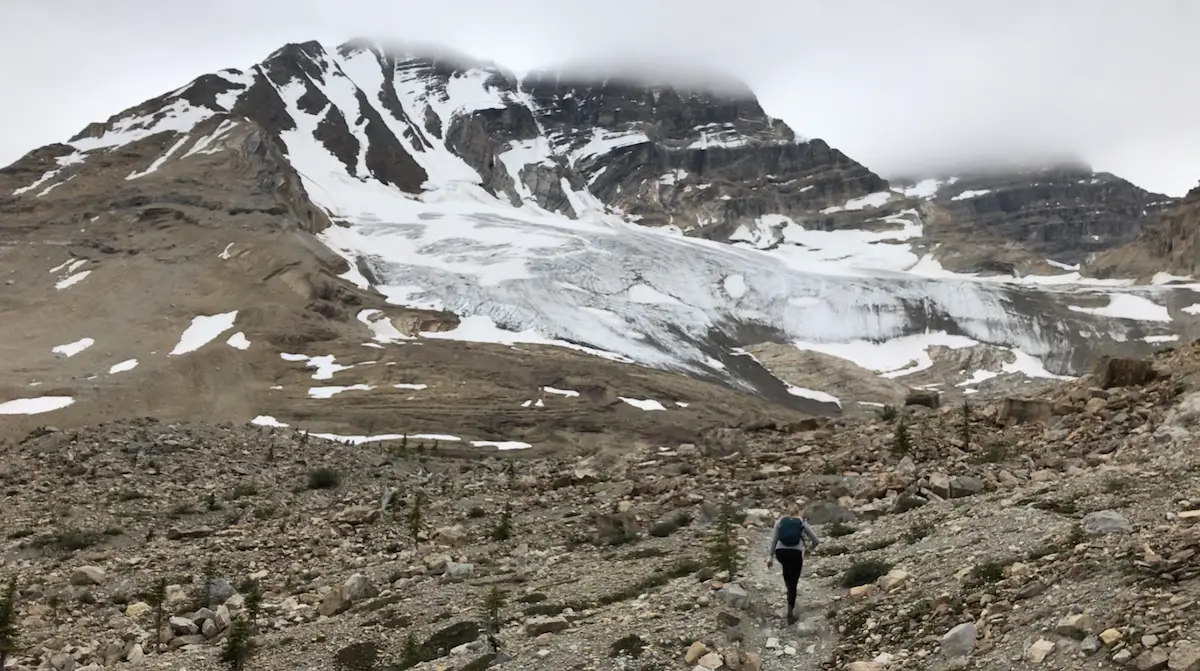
(428, 237)
(1040, 537)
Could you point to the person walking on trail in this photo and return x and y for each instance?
(788, 545)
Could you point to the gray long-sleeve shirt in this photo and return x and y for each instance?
(806, 531)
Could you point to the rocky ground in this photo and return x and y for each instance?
(1055, 533)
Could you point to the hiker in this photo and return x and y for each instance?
(787, 545)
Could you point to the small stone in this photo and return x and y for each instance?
(697, 650)
(1185, 656)
(734, 595)
(459, 571)
(1090, 645)
(893, 579)
(1110, 637)
(959, 641)
(1122, 656)
(711, 660)
(183, 626)
(137, 610)
(862, 591)
(1149, 641)
(136, 654)
(1151, 660)
(1077, 626)
(545, 625)
(1106, 522)
(1039, 651)
(87, 575)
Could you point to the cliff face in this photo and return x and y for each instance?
(1169, 244)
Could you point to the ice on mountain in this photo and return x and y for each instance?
(238, 341)
(1065, 266)
(672, 178)
(977, 377)
(330, 392)
(603, 141)
(1157, 339)
(735, 285)
(503, 445)
(1128, 306)
(641, 293)
(72, 280)
(870, 200)
(71, 349)
(812, 394)
(202, 146)
(1168, 278)
(179, 115)
(325, 365)
(54, 186)
(414, 387)
(1030, 366)
(523, 153)
(62, 161)
(926, 188)
(381, 326)
(158, 162)
(123, 367)
(35, 406)
(203, 330)
(267, 420)
(971, 193)
(569, 393)
(643, 403)
(890, 358)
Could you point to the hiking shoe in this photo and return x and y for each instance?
(791, 619)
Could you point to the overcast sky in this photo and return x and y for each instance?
(901, 85)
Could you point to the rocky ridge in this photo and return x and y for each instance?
(1063, 528)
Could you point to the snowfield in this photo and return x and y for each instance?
(602, 284)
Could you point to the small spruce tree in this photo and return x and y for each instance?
(410, 654)
(723, 552)
(503, 530)
(415, 522)
(239, 645)
(253, 602)
(158, 599)
(8, 622)
(493, 603)
(966, 425)
(901, 441)
(204, 590)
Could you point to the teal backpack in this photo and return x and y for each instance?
(791, 531)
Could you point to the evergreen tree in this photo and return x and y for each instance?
(253, 602)
(158, 599)
(239, 645)
(966, 425)
(8, 622)
(723, 552)
(901, 442)
(493, 603)
(415, 523)
(410, 654)
(208, 576)
(503, 530)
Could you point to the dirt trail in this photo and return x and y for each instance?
(812, 637)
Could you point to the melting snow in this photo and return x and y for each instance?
(381, 325)
(891, 358)
(870, 200)
(225, 252)
(238, 340)
(330, 392)
(1127, 306)
(203, 330)
(71, 349)
(323, 364)
(414, 387)
(267, 420)
(501, 445)
(72, 280)
(158, 162)
(560, 392)
(35, 406)
(1167, 278)
(735, 285)
(819, 396)
(968, 194)
(1155, 339)
(124, 366)
(644, 404)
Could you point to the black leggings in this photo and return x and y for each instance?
(792, 562)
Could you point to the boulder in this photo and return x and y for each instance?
(1121, 372)
(1106, 522)
(1022, 410)
(959, 641)
(924, 397)
(87, 575)
(1185, 656)
(545, 625)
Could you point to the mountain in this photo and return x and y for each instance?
(554, 260)
(1168, 245)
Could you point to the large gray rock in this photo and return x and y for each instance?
(827, 512)
(734, 595)
(87, 575)
(1106, 522)
(959, 641)
(545, 625)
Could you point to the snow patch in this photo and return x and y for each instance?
(267, 420)
(814, 395)
(124, 366)
(1128, 306)
(35, 406)
(569, 393)
(238, 341)
(203, 330)
(870, 200)
(71, 349)
(330, 392)
(72, 280)
(644, 403)
(501, 445)
(971, 193)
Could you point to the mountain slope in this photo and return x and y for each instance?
(638, 223)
